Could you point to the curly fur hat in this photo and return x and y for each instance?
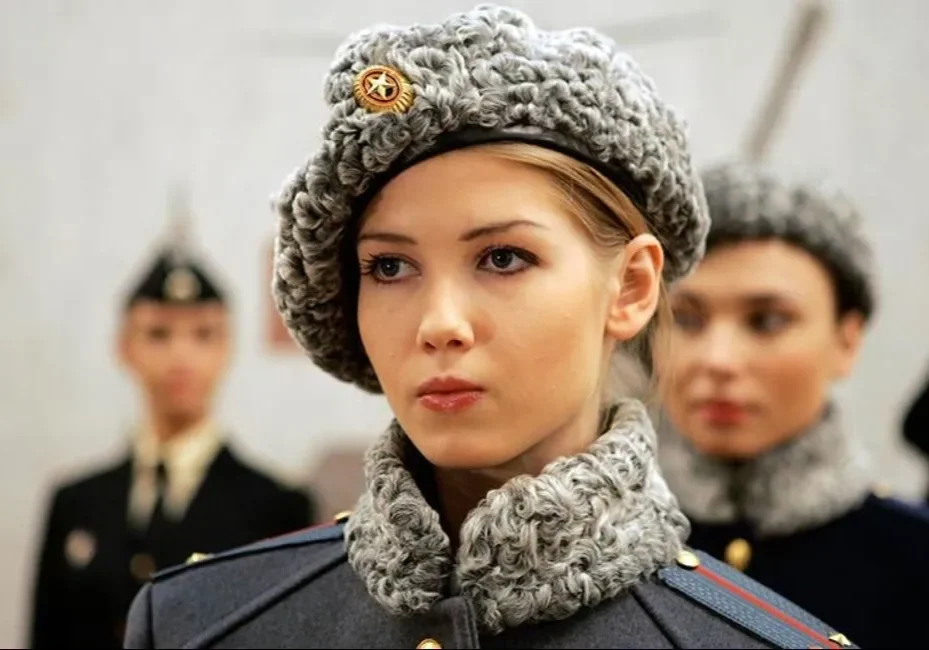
(749, 202)
(397, 95)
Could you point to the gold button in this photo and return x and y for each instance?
(142, 566)
(197, 557)
(429, 644)
(342, 517)
(738, 554)
(841, 639)
(688, 560)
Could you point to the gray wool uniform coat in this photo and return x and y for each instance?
(298, 591)
(587, 554)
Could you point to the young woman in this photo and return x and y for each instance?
(488, 222)
(756, 451)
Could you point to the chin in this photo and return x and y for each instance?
(729, 452)
(186, 409)
(733, 444)
(469, 450)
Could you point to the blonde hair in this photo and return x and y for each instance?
(611, 220)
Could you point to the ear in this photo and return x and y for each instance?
(638, 280)
(123, 344)
(849, 336)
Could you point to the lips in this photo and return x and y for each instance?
(449, 394)
(722, 412)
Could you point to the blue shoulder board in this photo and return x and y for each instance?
(913, 509)
(324, 533)
(748, 604)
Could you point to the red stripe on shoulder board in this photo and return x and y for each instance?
(790, 620)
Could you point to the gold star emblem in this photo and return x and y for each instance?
(380, 88)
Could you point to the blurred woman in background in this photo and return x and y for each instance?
(755, 448)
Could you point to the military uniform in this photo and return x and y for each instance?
(613, 574)
(298, 591)
(589, 552)
(865, 571)
(802, 518)
(106, 533)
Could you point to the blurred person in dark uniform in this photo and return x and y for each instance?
(755, 446)
(180, 490)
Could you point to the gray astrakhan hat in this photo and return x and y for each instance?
(748, 201)
(397, 95)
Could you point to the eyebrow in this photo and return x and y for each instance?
(766, 299)
(474, 233)
(760, 299)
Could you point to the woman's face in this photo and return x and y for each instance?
(755, 348)
(486, 313)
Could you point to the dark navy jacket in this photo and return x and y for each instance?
(85, 605)
(866, 573)
(298, 591)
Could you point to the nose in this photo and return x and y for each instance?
(720, 351)
(181, 349)
(445, 324)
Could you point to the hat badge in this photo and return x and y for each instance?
(381, 88)
(182, 285)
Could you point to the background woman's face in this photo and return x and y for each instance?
(755, 348)
(475, 277)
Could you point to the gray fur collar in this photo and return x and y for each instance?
(538, 548)
(811, 480)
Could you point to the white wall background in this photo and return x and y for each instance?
(104, 104)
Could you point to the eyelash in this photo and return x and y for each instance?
(369, 266)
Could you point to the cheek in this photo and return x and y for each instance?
(144, 358)
(795, 374)
(385, 321)
(214, 361)
(552, 332)
(795, 382)
(678, 363)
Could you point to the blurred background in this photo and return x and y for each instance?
(105, 106)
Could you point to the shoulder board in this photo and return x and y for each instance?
(916, 510)
(313, 535)
(748, 604)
